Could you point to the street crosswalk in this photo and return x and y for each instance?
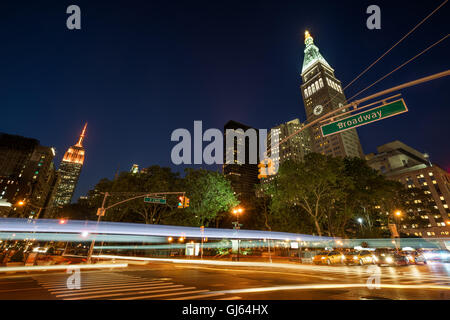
(120, 286)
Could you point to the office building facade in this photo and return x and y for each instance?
(399, 162)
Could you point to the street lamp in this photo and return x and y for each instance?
(397, 214)
(237, 211)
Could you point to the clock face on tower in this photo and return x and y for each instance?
(318, 110)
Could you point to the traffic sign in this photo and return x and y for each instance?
(378, 113)
(101, 212)
(155, 200)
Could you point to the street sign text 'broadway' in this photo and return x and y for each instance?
(360, 119)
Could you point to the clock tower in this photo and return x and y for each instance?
(322, 93)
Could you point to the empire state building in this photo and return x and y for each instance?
(69, 172)
(322, 92)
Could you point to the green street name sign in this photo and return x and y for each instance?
(155, 200)
(381, 112)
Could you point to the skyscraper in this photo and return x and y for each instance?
(26, 171)
(69, 171)
(293, 149)
(322, 93)
(243, 174)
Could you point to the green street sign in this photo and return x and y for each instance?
(155, 200)
(378, 113)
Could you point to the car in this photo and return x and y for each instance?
(437, 255)
(415, 257)
(360, 257)
(328, 257)
(390, 257)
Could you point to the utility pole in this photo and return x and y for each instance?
(100, 212)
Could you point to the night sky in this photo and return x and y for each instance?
(137, 70)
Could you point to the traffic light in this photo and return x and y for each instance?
(267, 168)
(262, 169)
(271, 167)
(183, 202)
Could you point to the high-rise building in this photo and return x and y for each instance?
(295, 148)
(69, 171)
(25, 175)
(322, 92)
(399, 162)
(243, 174)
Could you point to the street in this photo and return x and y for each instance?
(189, 281)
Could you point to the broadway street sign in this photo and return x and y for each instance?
(155, 200)
(381, 112)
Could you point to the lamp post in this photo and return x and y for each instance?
(360, 220)
(397, 214)
(237, 211)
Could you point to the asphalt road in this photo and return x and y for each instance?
(166, 280)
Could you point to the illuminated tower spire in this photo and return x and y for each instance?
(312, 54)
(69, 171)
(80, 140)
(322, 92)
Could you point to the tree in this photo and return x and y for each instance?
(210, 195)
(309, 186)
(127, 185)
(363, 192)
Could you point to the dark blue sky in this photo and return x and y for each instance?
(137, 70)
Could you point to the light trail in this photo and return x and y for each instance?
(332, 286)
(64, 267)
(136, 229)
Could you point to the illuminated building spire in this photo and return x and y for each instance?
(69, 171)
(312, 54)
(308, 39)
(80, 140)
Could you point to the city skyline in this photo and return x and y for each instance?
(245, 83)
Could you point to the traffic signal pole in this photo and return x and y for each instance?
(102, 211)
